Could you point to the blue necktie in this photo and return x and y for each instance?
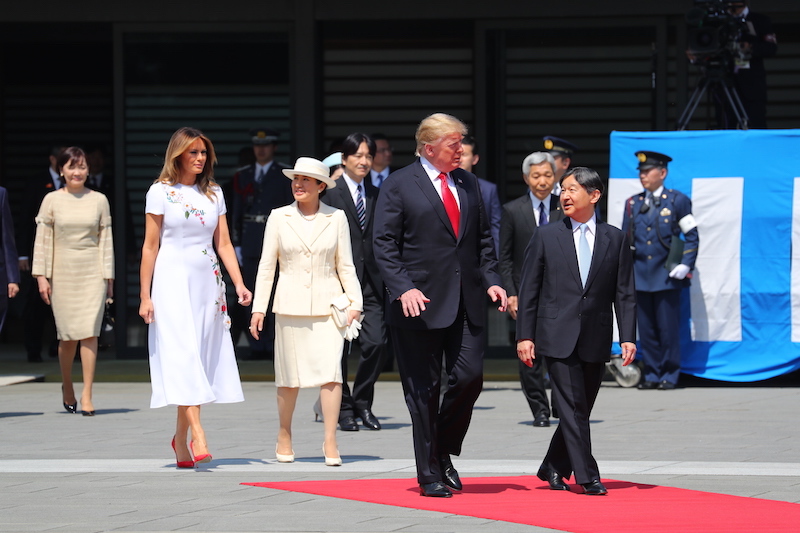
(360, 210)
(260, 176)
(584, 254)
(542, 215)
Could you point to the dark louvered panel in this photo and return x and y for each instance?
(575, 90)
(389, 90)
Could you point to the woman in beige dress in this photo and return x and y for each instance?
(73, 261)
(310, 241)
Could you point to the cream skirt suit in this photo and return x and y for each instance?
(316, 265)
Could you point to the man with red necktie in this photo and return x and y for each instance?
(435, 252)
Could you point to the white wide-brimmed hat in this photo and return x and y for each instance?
(313, 168)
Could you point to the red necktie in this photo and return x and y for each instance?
(450, 204)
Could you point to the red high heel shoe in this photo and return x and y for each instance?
(181, 464)
(204, 458)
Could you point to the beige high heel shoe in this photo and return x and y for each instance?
(331, 461)
(283, 458)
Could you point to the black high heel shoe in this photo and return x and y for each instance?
(71, 408)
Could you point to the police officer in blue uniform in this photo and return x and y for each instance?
(562, 151)
(257, 190)
(654, 219)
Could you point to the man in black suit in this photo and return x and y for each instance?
(381, 163)
(574, 271)
(435, 254)
(257, 190)
(357, 200)
(37, 315)
(520, 219)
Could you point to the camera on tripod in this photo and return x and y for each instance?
(715, 34)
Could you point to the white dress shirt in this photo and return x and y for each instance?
(433, 174)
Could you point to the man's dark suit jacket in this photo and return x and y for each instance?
(557, 313)
(516, 229)
(363, 255)
(9, 260)
(415, 247)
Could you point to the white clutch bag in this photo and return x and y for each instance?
(339, 307)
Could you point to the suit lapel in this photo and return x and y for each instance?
(526, 210)
(298, 224)
(463, 203)
(601, 242)
(567, 243)
(350, 207)
(427, 188)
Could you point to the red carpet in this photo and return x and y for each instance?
(629, 507)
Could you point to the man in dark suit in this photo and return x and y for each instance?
(654, 221)
(357, 200)
(258, 189)
(520, 219)
(381, 163)
(435, 254)
(491, 201)
(9, 259)
(37, 315)
(574, 271)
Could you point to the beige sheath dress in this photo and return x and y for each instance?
(74, 250)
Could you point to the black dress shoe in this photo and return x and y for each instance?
(666, 385)
(449, 473)
(594, 488)
(437, 489)
(553, 478)
(369, 419)
(541, 421)
(348, 423)
(647, 385)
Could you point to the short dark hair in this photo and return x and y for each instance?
(379, 137)
(586, 177)
(351, 143)
(469, 140)
(73, 153)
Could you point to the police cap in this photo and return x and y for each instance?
(648, 160)
(264, 135)
(559, 147)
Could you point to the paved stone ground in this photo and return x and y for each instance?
(115, 472)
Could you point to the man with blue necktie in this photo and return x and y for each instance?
(381, 163)
(575, 270)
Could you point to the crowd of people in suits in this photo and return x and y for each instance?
(416, 254)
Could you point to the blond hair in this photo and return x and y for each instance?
(435, 126)
(178, 144)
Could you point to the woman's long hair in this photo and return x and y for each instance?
(178, 144)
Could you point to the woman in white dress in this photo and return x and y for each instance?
(192, 361)
(310, 241)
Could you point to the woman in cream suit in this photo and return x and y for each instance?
(310, 241)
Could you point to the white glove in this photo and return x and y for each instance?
(351, 332)
(679, 272)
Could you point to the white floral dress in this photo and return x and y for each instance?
(192, 361)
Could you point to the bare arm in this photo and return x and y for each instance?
(152, 242)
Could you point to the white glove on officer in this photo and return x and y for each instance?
(679, 272)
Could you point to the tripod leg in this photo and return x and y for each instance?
(697, 95)
(736, 104)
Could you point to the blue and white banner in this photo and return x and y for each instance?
(740, 320)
